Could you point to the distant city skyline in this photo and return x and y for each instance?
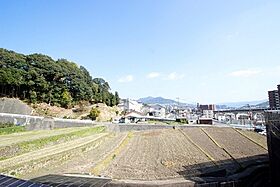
(199, 51)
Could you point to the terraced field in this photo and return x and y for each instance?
(21, 153)
(6, 140)
(145, 155)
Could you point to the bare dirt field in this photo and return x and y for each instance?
(155, 155)
(145, 155)
(164, 154)
(255, 137)
(236, 144)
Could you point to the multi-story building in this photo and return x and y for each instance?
(206, 107)
(203, 107)
(273, 97)
(129, 105)
(212, 107)
(206, 111)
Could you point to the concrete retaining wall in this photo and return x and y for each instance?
(143, 127)
(41, 123)
(15, 106)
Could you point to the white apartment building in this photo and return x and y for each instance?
(130, 105)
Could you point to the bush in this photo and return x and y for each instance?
(6, 125)
(182, 120)
(94, 113)
(33, 96)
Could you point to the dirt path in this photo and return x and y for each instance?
(10, 139)
(49, 151)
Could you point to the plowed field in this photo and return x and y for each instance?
(164, 154)
(139, 155)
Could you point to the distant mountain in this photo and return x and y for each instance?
(163, 101)
(219, 106)
(157, 100)
(263, 105)
(260, 105)
(243, 103)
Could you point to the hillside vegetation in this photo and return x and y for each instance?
(38, 78)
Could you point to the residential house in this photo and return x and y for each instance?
(157, 110)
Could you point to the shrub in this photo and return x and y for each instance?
(94, 113)
(181, 120)
(66, 99)
(6, 125)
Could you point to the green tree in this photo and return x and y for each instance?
(117, 98)
(33, 96)
(66, 99)
(39, 78)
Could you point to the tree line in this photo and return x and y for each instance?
(39, 78)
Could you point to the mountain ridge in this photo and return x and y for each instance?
(242, 103)
(162, 100)
(156, 100)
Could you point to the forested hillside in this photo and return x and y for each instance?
(39, 78)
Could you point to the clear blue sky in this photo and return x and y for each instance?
(201, 51)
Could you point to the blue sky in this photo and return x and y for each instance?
(201, 51)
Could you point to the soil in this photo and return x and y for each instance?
(261, 140)
(106, 113)
(165, 154)
(236, 144)
(203, 141)
(147, 155)
(155, 157)
(44, 109)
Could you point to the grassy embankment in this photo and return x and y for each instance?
(9, 128)
(27, 146)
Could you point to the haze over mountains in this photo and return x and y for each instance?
(243, 103)
(164, 101)
(156, 100)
